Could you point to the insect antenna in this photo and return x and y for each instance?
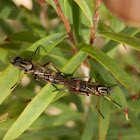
(117, 104)
(37, 49)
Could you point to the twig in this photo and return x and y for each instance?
(66, 24)
(95, 21)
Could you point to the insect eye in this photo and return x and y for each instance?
(17, 59)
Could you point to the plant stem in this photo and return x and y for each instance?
(95, 21)
(66, 24)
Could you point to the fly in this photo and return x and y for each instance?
(44, 74)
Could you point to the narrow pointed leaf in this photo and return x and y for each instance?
(112, 66)
(31, 112)
(112, 44)
(83, 5)
(122, 38)
(89, 127)
(103, 124)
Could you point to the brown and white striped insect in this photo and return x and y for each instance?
(44, 74)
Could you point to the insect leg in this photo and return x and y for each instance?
(41, 80)
(45, 81)
(61, 73)
(98, 109)
(36, 51)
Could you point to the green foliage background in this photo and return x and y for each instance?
(64, 115)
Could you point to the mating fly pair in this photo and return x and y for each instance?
(46, 75)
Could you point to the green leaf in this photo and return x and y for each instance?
(89, 127)
(25, 36)
(113, 44)
(134, 104)
(83, 5)
(48, 42)
(6, 27)
(50, 133)
(68, 4)
(8, 10)
(32, 112)
(112, 66)
(122, 38)
(134, 120)
(14, 112)
(3, 54)
(7, 80)
(103, 124)
(11, 75)
(57, 120)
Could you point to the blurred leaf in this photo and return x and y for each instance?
(68, 4)
(135, 122)
(46, 121)
(116, 24)
(6, 27)
(104, 28)
(32, 112)
(83, 5)
(14, 112)
(57, 120)
(76, 21)
(7, 80)
(112, 66)
(25, 36)
(104, 107)
(50, 133)
(126, 133)
(89, 127)
(3, 54)
(134, 104)
(3, 65)
(8, 10)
